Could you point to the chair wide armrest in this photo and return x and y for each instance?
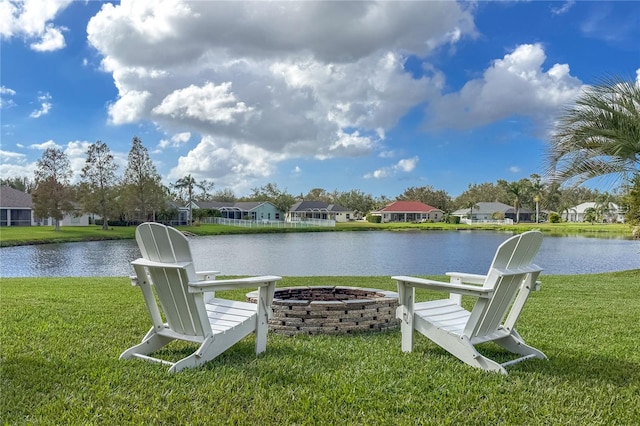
(468, 290)
(467, 278)
(217, 285)
(206, 275)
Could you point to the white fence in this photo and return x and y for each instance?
(270, 223)
(486, 221)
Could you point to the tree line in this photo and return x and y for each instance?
(139, 194)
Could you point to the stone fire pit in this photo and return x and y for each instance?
(331, 310)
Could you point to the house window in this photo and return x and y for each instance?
(20, 218)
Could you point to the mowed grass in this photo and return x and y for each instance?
(23, 235)
(61, 338)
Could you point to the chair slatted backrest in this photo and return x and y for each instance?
(159, 243)
(512, 267)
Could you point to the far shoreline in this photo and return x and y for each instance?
(34, 235)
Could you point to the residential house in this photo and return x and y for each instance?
(17, 210)
(173, 214)
(247, 210)
(319, 210)
(612, 214)
(16, 207)
(409, 211)
(73, 218)
(488, 211)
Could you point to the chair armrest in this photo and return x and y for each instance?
(217, 285)
(468, 278)
(150, 263)
(206, 275)
(467, 290)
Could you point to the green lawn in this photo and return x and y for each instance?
(11, 236)
(61, 338)
(20, 235)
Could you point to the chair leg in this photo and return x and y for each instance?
(461, 348)
(205, 352)
(515, 343)
(212, 347)
(262, 331)
(151, 343)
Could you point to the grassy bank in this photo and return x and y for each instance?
(61, 338)
(13, 236)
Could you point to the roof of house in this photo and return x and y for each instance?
(582, 208)
(241, 205)
(337, 208)
(484, 207)
(408, 207)
(12, 198)
(248, 205)
(302, 206)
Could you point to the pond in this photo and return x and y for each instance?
(328, 253)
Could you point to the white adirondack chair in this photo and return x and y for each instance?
(188, 302)
(501, 295)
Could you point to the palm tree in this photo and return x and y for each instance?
(599, 135)
(602, 205)
(188, 184)
(517, 190)
(471, 205)
(536, 189)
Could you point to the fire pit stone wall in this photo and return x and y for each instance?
(331, 310)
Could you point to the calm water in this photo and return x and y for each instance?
(330, 253)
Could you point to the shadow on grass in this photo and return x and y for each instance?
(568, 365)
(589, 367)
(296, 356)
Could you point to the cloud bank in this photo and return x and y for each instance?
(262, 82)
(244, 86)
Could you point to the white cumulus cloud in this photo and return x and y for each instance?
(278, 80)
(176, 140)
(32, 21)
(45, 106)
(42, 146)
(405, 165)
(11, 156)
(129, 107)
(514, 85)
(4, 102)
(215, 104)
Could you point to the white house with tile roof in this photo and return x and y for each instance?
(319, 210)
(409, 211)
(243, 210)
(486, 212)
(612, 214)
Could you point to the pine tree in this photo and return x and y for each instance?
(142, 192)
(52, 192)
(98, 186)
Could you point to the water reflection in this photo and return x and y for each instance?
(330, 253)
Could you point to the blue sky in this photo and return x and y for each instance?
(375, 96)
